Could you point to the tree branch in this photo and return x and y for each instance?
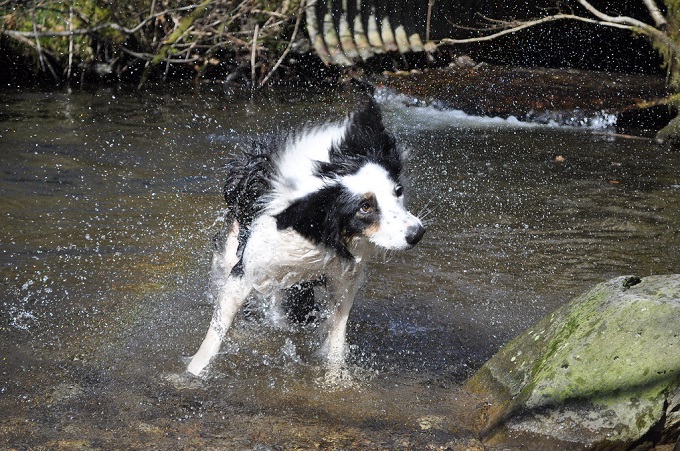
(532, 23)
(613, 19)
(288, 47)
(623, 22)
(656, 13)
(253, 55)
(662, 39)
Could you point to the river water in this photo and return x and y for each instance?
(108, 203)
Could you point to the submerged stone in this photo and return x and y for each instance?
(670, 134)
(602, 371)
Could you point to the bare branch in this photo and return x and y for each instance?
(656, 13)
(658, 35)
(633, 24)
(532, 23)
(623, 22)
(288, 47)
(428, 20)
(270, 13)
(253, 55)
(613, 19)
(70, 42)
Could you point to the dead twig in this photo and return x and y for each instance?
(44, 62)
(430, 4)
(70, 43)
(298, 20)
(253, 56)
(656, 13)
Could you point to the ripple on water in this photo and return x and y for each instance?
(109, 204)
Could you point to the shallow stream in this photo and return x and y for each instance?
(109, 200)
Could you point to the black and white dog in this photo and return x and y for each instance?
(305, 207)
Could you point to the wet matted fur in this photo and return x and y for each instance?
(308, 208)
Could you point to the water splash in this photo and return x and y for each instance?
(434, 114)
(33, 292)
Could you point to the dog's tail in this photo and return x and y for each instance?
(248, 180)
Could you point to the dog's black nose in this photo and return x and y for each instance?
(414, 234)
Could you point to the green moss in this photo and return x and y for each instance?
(606, 350)
(598, 365)
(124, 35)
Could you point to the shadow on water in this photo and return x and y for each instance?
(108, 204)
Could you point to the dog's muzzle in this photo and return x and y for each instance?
(414, 234)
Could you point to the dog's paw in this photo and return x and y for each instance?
(183, 380)
(337, 376)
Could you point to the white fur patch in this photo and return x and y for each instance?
(395, 220)
(295, 176)
(371, 178)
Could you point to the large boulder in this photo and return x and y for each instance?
(603, 371)
(670, 134)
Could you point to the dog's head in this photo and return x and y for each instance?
(372, 206)
(362, 198)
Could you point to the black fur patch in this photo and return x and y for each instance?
(300, 305)
(328, 216)
(249, 178)
(365, 140)
(312, 217)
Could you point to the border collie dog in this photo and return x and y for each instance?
(308, 207)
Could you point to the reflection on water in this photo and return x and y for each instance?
(109, 201)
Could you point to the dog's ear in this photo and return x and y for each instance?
(367, 116)
(315, 217)
(366, 138)
(365, 133)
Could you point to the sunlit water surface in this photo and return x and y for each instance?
(108, 204)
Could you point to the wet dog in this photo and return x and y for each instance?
(306, 207)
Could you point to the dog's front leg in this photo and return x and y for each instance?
(276, 313)
(230, 299)
(336, 325)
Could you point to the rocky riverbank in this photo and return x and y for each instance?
(603, 371)
(564, 96)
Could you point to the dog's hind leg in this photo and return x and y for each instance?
(225, 255)
(229, 292)
(230, 299)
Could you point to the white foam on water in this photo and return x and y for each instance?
(430, 115)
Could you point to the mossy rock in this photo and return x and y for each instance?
(602, 371)
(670, 134)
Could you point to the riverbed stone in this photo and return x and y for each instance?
(602, 371)
(670, 134)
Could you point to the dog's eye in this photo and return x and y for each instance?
(365, 207)
(398, 190)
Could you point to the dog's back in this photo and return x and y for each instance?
(308, 207)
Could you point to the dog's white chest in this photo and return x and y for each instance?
(281, 258)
